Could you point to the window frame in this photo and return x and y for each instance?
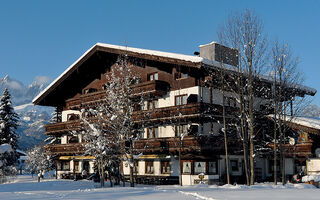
(179, 98)
(62, 165)
(237, 165)
(164, 164)
(183, 167)
(216, 168)
(154, 76)
(153, 132)
(195, 165)
(179, 130)
(181, 75)
(72, 117)
(149, 167)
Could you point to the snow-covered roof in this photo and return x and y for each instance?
(309, 122)
(191, 59)
(177, 56)
(71, 68)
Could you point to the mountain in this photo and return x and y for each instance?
(32, 118)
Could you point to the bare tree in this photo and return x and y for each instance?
(244, 32)
(287, 81)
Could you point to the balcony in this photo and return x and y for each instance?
(66, 149)
(149, 88)
(205, 145)
(166, 144)
(75, 103)
(62, 127)
(297, 150)
(190, 110)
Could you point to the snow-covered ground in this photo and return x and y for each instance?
(24, 187)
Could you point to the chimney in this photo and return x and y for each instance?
(220, 53)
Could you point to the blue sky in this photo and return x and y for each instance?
(42, 38)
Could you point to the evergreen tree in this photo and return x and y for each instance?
(8, 136)
(8, 121)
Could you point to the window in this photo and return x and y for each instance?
(181, 130)
(213, 168)
(234, 165)
(152, 132)
(152, 104)
(186, 167)
(199, 167)
(72, 116)
(230, 101)
(271, 166)
(149, 167)
(136, 166)
(73, 139)
(63, 165)
(181, 75)
(165, 167)
(76, 165)
(153, 76)
(181, 100)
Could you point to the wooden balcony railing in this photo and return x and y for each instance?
(298, 150)
(156, 88)
(191, 110)
(188, 144)
(66, 149)
(75, 103)
(167, 144)
(62, 127)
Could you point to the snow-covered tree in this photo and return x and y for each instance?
(8, 121)
(6, 165)
(38, 161)
(8, 136)
(110, 131)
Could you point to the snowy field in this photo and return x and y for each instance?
(24, 187)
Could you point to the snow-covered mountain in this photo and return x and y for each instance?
(23, 94)
(32, 118)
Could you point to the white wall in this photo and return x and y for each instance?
(313, 166)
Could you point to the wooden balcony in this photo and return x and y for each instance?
(203, 145)
(66, 149)
(149, 88)
(75, 103)
(190, 110)
(62, 127)
(166, 144)
(297, 150)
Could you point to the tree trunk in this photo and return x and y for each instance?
(275, 151)
(131, 165)
(101, 172)
(225, 142)
(251, 124)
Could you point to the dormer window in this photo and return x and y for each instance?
(153, 76)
